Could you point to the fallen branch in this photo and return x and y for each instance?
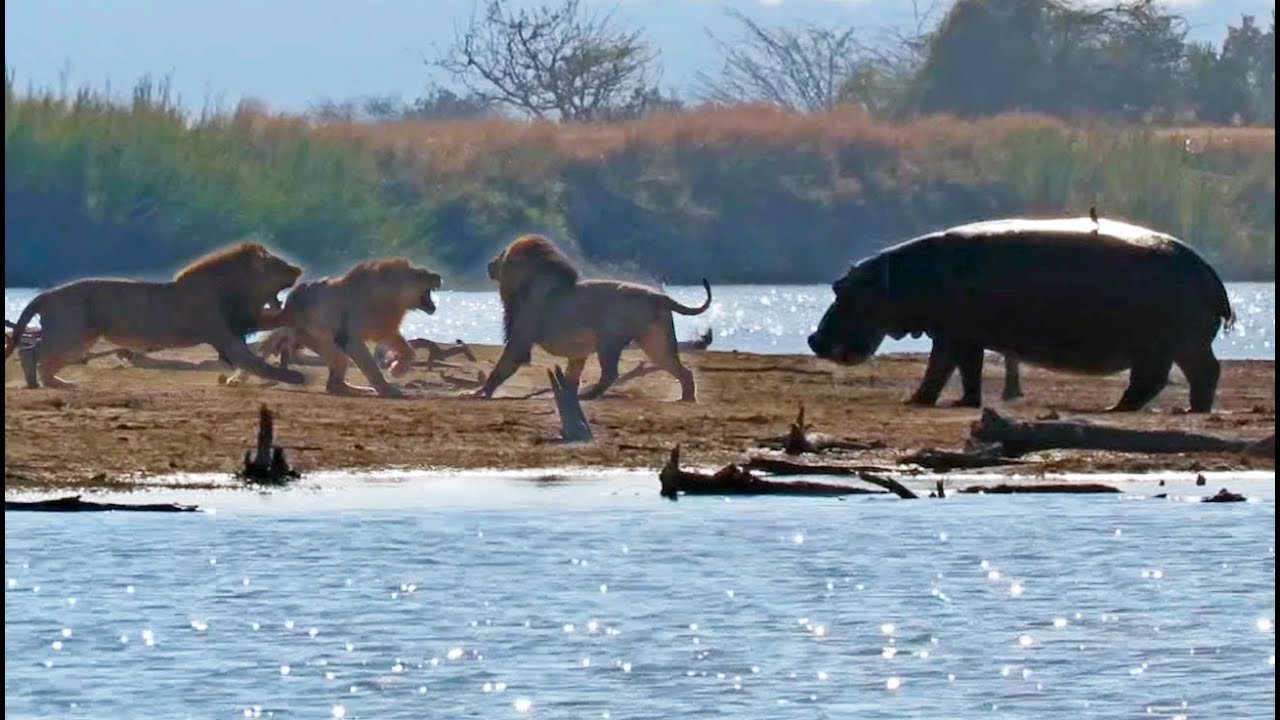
(1067, 488)
(946, 460)
(799, 440)
(266, 463)
(1018, 438)
(734, 480)
(786, 467)
(465, 383)
(573, 421)
(73, 503)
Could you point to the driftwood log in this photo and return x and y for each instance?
(786, 467)
(1020, 437)
(266, 463)
(947, 460)
(736, 480)
(73, 503)
(1066, 488)
(574, 426)
(799, 440)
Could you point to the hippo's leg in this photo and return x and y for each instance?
(942, 362)
(1147, 378)
(1202, 370)
(1012, 380)
(970, 360)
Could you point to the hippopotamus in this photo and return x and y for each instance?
(1078, 295)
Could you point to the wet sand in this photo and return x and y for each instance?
(123, 426)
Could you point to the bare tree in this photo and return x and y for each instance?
(558, 61)
(803, 67)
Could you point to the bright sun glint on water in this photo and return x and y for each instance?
(508, 625)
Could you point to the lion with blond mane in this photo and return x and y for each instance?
(335, 317)
(545, 303)
(216, 300)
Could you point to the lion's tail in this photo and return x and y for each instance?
(19, 327)
(686, 310)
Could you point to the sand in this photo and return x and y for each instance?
(124, 427)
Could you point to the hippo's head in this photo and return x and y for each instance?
(854, 326)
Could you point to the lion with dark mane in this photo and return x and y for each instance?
(335, 317)
(546, 303)
(216, 300)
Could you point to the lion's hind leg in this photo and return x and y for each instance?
(609, 353)
(54, 351)
(364, 360)
(658, 341)
(336, 359)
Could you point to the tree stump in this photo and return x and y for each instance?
(573, 421)
(266, 463)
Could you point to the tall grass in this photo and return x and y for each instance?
(746, 194)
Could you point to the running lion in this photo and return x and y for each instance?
(334, 317)
(218, 300)
(545, 303)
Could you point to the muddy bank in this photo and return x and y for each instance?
(124, 422)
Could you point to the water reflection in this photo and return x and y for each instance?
(708, 609)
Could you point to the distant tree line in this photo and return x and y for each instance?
(1129, 61)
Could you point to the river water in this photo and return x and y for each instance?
(497, 595)
(771, 318)
(501, 596)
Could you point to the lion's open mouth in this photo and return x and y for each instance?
(427, 304)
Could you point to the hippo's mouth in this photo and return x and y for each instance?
(841, 353)
(427, 304)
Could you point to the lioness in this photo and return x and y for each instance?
(334, 317)
(218, 300)
(544, 303)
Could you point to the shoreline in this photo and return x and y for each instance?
(127, 428)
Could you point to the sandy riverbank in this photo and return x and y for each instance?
(123, 423)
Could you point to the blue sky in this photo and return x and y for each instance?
(289, 53)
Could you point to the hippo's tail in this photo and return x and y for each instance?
(1225, 311)
(1221, 302)
(1203, 275)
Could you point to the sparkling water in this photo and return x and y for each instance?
(770, 318)
(493, 596)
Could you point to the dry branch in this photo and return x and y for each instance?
(786, 467)
(799, 440)
(946, 460)
(1019, 437)
(735, 480)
